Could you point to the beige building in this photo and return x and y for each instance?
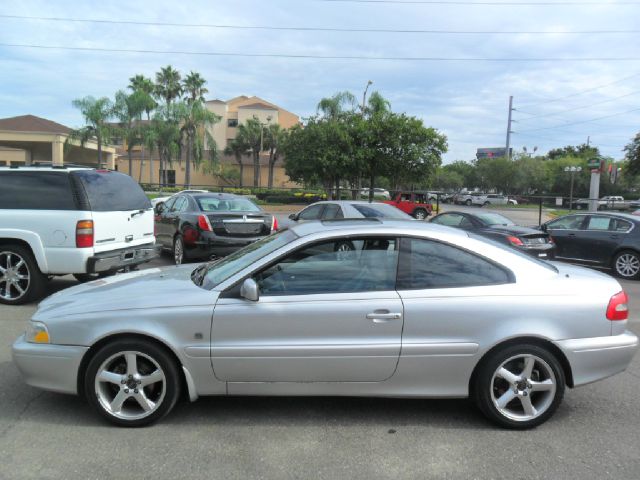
(232, 113)
(29, 139)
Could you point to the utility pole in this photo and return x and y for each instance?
(588, 140)
(507, 154)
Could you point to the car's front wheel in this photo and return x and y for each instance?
(420, 214)
(468, 203)
(178, 250)
(20, 278)
(132, 383)
(627, 264)
(520, 386)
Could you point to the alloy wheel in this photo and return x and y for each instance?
(14, 276)
(523, 387)
(130, 385)
(420, 215)
(628, 265)
(178, 251)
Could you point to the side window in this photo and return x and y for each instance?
(449, 219)
(168, 205)
(598, 223)
(569, 222)
(405, 197)
(420, 198)
(311, 213)
(177, 207)
(336, 266)
(466, 223)
(619, 225)
(36, 191)
(429, 264)
(184, 206)
(332, 211)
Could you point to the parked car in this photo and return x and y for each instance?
(336, 209)
(204, 225)
(500, 228)
(415, 204)
(157, 200)
(489, 199)
(377, 192)
(605, 203)
(465, 198)
(603, 240)
(59, 221)
(415, 310)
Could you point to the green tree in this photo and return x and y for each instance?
(168, 88)
(145, 88)
(496, 173)
(97, 114)
(128, 109)
(168, 85)
(447, 179)
(250, 136)
(340, 103)
(632, 155)
(275, 137)
(236, 148)
(580, 151)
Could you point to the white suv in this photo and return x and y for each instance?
(56, 221)
(492, 199)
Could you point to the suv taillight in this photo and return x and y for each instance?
(204, 224)
(84, 234)
(617, 308)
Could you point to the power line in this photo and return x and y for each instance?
(317, 29)
(582, 121)
(592, 89)
(322, 57)
(555, 114)
(460, 2)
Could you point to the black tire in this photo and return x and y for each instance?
(33, 287)
(484, 387)
(420, 214)
(486, 204)
(178, 256)
(172, 380)
(468, 203)
(89, 277)
(626, 264)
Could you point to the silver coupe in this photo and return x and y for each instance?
(354, 307)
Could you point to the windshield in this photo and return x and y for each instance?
(493, 219)
(217, 204)
(220, 270)
(380, 210)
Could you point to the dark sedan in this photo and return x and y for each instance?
(500, 228)
(205, 225)
(602, 240)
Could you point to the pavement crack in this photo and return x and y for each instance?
(18, 417)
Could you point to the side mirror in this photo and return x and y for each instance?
(543, 227)
(249, 290)
(159, 208)
(293, 217)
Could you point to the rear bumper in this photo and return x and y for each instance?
(125, 257)
(544, 251)
(46, 366)
(210, 244)
(593, 359)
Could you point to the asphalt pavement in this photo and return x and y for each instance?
(594, 435)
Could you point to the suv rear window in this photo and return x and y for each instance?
(109, 191)
(36, 191)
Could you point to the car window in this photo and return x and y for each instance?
(449, 219)
(331, 211)
(217, 204)
(335, 266)
(36, 191)
(311, 213)
(380, 210)
(494, 219)
(168, 205)
(429, 264)
(619, 225)
(568, 222)
(420, 198)
(179, 205)
(405, 197)
(109, 191)
(598, 223)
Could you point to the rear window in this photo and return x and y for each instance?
(380, 211)
(36, 191)
(217, 204)
(109, 191)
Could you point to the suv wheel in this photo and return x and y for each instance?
(519, 386)
(420, 214)
(468, 203)
(132, 383)
(627, 264)
(178, 250)
(486, 204)
(20, 277)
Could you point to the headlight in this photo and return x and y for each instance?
(37, 333)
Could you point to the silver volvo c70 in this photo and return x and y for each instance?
(363, 308)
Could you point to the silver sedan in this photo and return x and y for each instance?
(409, 310)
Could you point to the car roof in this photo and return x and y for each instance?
(220, 195)
(626, 216)
(381, 225)
(43, 168)
(347, 202)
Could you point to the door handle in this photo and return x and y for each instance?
(381, 317)
(613, 236)
(571, 235)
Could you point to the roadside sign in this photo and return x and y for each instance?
(558, 201)
(593, 163)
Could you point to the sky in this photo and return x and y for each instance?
(557, 102)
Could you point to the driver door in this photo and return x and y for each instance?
(328, 312)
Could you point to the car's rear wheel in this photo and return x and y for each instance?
(520, 386)
(627, 264)
(20, 278)
(132, 383)
(420, 214)
(178, 250)
(468, 203)
(486, 204)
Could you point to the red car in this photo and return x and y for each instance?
(415, 204)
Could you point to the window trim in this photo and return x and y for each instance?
(403, 240)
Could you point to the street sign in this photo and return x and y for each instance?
(492, 152)
(593, 163)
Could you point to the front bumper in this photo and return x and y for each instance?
(125, 257)
(47, 366)
(593, 359)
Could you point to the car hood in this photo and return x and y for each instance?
(514, 230)
(151, 288)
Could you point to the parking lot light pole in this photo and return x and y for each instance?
(572, 169)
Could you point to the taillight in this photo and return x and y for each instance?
(274, 224)
(514, 240)
(84, 234)
(204, 223)
(550, 239)
(617, 308)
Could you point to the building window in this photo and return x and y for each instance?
(232, 122)
(171, 177)
(3, 163)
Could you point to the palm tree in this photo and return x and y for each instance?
(140, 83)
(195, 134)
(333, 107)
(250, 137)
(96, 113)
(237, 149)
(275, 137)
(128, 109)
(377, 104)
(194, 87)
(167, 88)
